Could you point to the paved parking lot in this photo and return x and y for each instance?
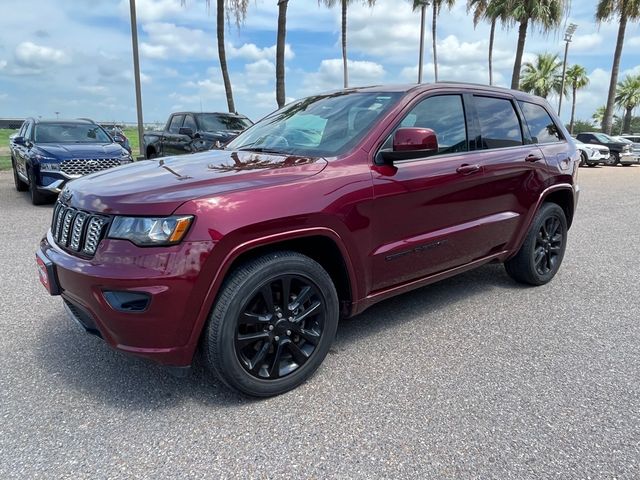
(474, 377)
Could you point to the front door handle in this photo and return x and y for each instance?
(466, 169)
(532, 157)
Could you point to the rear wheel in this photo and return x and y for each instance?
(583, 159)
(272, 325)
(541, 254)
(17, 181)
(592, 164)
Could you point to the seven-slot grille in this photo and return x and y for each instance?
(76, 230)
(78, 167)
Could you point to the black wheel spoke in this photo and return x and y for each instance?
(249, 338)
(539, 256)
(267, 296)
(303, 296)
(259, 357)
(298, 354)
(286, 293)
(314, 309)
(249, 318)
(308, 335)
(274, 371)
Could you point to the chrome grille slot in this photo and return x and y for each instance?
(94, 234)
(77, 231)
(77, 167)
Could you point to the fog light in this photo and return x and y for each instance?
(127, 301)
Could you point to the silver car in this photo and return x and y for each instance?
(592, 154)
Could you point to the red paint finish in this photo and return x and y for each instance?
(397, 226)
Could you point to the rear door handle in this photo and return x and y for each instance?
(532, 157)
(466, 169)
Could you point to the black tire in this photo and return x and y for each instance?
(151, 154)
(37, 197)
(592, 164)
(17, 181)
(541, 254)
(613, 159)
(247, 341)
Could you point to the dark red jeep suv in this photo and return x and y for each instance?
(326, 206)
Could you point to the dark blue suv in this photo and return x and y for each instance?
(46, 154)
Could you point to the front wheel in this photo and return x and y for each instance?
(17, 181)
(541, 254)
(37, 197)
(272, 325)
(613, 159)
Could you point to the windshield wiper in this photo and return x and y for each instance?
(258, 149)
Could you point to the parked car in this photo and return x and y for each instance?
(323, 208)
(118, 135)
(46, 154)
(593, 154)
(190, 132)
(620, 152)
(633, 142)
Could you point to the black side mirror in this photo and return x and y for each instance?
(188, 131)
(19, 140)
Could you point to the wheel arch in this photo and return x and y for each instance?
(564, 198)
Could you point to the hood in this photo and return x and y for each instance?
(80, 150)
(221, 134)
(153, 187)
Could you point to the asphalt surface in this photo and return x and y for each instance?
(474, 377)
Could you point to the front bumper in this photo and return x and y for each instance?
(629, 159)
(170, 276)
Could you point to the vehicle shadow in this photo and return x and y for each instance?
(87, 365)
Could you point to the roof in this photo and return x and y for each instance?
(226, 114)
(79, 121)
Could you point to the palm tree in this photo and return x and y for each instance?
(545, 14)
(625, 10)
(543, 76)
(437, 5)
(237, 8)
(577, 79)
(628, 98)
(492, 10)
(280, 46)
(598, 115)
(344, 3)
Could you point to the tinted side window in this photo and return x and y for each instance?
(23, 127)
(190, 122)
(541, 126)
(176, 123)
(499, 124)
(445, 116)
(27, 132)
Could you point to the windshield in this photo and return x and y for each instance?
(70, 133)
(210, 122)
(322, 125)
(604, 138)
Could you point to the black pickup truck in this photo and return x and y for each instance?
(189, 132)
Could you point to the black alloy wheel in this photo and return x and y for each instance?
(272, 325)
(549, 246)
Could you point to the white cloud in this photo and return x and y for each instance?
(153, 51)
(94, 89)
(167, 40)
(261, 72)
(250, 51)
(586, 42)
(3, 64)
(151, 10)
(31, 55)
(329, 75)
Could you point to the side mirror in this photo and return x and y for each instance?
(411, 143)
(19, 140)
(188, 131)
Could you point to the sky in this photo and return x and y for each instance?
(74, 56)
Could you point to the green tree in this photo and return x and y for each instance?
(280, 48)
(542, 76)
(628, 98)
(492, 11)
(225, 9)
(544, 14)
(577, 79)
(580, 126)
(625, 11)
(344, 4)
(436, 6)
(598, 115)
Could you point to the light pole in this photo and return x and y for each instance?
(423, 9)
(571, 29)
(136, 74)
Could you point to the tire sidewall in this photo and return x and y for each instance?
(228, 365)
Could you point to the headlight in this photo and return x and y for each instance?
(125, 158)
(150, 231)
(589, 152)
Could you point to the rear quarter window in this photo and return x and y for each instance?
(541, 126)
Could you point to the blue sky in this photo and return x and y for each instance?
(74, 56)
